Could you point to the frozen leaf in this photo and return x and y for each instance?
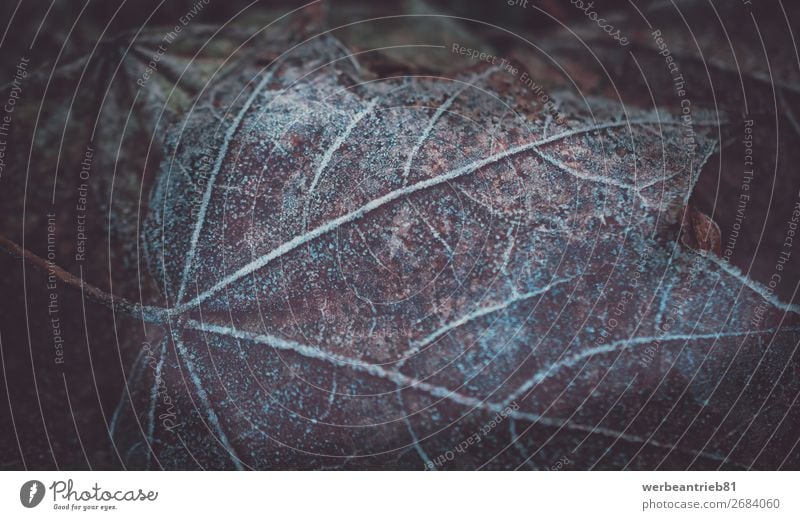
(366, 273)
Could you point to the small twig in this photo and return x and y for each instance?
(95, 294)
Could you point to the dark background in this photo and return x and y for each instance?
(60, 413)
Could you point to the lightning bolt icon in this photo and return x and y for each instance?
(32, 492)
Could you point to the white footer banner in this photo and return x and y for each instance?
(388, 495)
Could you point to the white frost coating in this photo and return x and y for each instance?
(584, 176)
(336, 223)
(151, 414)
(483, 311)
(696, 172)
(434, 390)
(753, 285)
(328, 155)
(433, 231)
(423, 455)
(625, 343)
(444, 107)
(201, 393)
(507, 253)
(223, 152)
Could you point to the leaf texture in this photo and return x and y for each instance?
(363, 271)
